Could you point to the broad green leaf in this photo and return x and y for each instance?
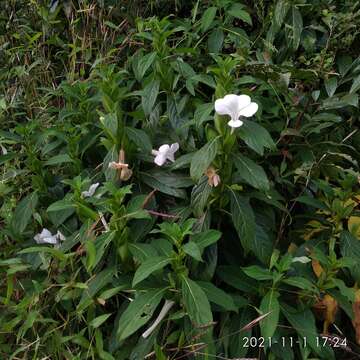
(217, 296)
(262, 245)
(6, 157)
(251, 173)
(206, 238)
(142, 252)
(203, 158)
(299, 282)
(258, 273)
(95, 323)
(148, 267)
(199, 196)
(110, 124)
(141, 63)
(270, 304)
(157, 183)
(23, 212)
(58, 159)
(297, 27)
(255, 136)
(191, 248)
(140, 138)
(330, 86)
(355, 85)
(139, 312)
(303, 322)
(235, 277)
(208, 18)
(173, 179)
(96, 284)
(196, 302)
(149, 95)
(45, 249)
(350, 247)
(215, 41)
(243, 219)
(237, 10)
(63, 204)
(281, 9)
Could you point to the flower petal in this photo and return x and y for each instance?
(228, 105)
(249, 110)
(50, 240)
(160, 159)
(235, 123)
(242, 102)
(164, 148)
(174, 147)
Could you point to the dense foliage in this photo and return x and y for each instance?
(248, 243)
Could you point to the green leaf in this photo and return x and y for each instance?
(208, 18)
(157, 183)
(355, 85)
(63, 204)
(199, 196)
(140, 138)
(262, 245)
(235, 277)
(281, 9)
(299, 282)
(237, 10)
(269, 303)
(191, 248)
(148, 267)
(330, 86)
(142, 252)
(350, 247)
(196, 302)
(6, 157)
(149, 95)
(206, 238)
(251, 173)
(96, 284)
(23, 212)
(95, 323)
(48, 250)
(217, 296)
(139, 312)
(141, 63)
(203, 158)
(255, 136)
(297, 27)
(258, 273)
(243, 219)
(215, 41)
(303, 322)
(58, 159)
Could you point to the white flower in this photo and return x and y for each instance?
(45, 237)
(91, 191)
(165, 152)
(236, 106)
(301, 259)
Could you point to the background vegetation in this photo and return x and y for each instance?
(272, 252)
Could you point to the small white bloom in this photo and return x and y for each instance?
(91, 191)
(165, 152)
(236, 106)
(45, 237)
